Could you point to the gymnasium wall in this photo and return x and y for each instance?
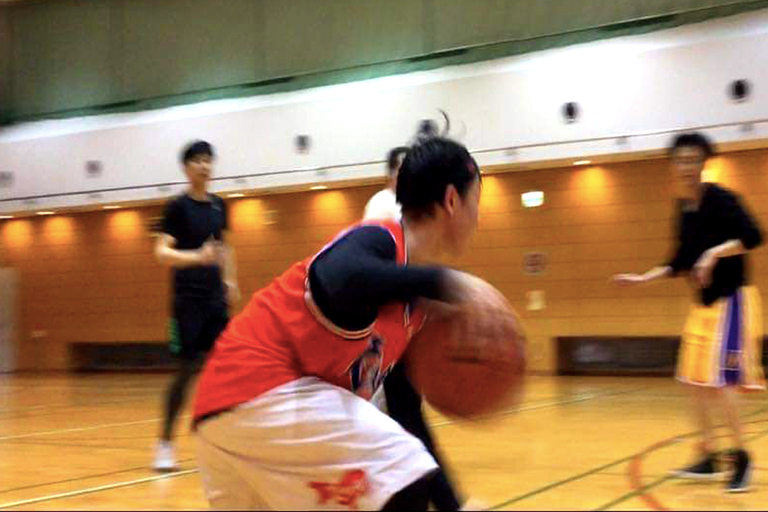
(91, 277)
(632, 92)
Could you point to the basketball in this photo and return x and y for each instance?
(465, 387)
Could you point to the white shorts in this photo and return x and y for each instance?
(307, 445)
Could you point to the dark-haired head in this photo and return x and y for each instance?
(689, 153)
(693, 140)
(197, 158)
(196, 149)
(394, 159)
(428, 169)
(439, 180)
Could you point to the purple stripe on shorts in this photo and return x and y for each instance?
(732, 345)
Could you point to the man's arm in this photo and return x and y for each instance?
(168, 255)
(230, 270)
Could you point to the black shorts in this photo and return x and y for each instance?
(195, 325)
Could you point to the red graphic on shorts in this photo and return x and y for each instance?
(352, 486)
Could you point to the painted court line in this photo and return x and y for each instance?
(56, 408)
(593, 471)
(81, 478)
(90, 490)
(635, 473)
(82, 429)
(559, 483)
(542, 405)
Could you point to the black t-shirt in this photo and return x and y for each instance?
(719, 218)
(191, 223)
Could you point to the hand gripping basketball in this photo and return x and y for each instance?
(469, 357)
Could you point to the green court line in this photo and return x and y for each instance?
(659, 481)
(558, 483)
(590, 472)
(541, 404)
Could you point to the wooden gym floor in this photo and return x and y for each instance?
(84, 442)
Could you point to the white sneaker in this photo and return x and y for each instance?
(165, 460)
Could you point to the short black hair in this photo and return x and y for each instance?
(195, 149)
(393, 158)
(428, 168)
(692, 140)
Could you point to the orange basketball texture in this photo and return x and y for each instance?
(464, 387)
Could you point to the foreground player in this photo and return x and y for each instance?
(282, 414)
(722, 340)
(396, 396)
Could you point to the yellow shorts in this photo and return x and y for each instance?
(722, 343)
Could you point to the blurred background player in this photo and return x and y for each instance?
(383, 204)
(722, 341)
(193, 243)
(283, 414)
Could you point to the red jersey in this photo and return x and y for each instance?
(282, 336)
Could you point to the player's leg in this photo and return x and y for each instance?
(706, 465)
(188, 322)
(739, 457)
(177, 393)
(416, 496)
(404, 405)
(201, 324)
(738, 370)
(698, 367)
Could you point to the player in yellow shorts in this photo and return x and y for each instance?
(722, 341)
